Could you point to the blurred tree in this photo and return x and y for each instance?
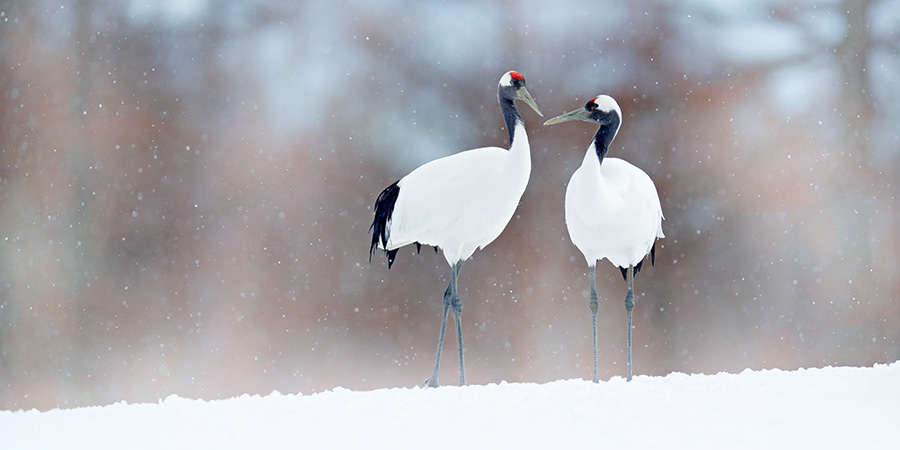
(186, 190)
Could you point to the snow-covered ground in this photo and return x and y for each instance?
(840, 407)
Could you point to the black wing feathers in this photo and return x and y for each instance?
(637, 268)
(384, 209)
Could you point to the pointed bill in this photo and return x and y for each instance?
(579, 114)
(527, 98)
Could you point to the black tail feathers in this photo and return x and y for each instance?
(637, 268)
(384, 209)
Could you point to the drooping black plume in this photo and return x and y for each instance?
(384, 209)
(391, 254)
(637, 268)
(419, 248)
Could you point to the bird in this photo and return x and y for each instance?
(459, 204)
(612, 208)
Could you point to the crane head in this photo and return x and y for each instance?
(601, 109)
(512, 87)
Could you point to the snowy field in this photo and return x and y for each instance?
(812, 408)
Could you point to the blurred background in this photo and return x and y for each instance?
(186, 189)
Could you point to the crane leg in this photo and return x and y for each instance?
(595, 304)
(451, 299)
(432, 381)
(457, 316)
(629, 306)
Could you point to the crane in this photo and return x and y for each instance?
(612, 208)
(459, 203)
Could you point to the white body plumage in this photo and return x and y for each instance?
(612, 211)
(462, 202)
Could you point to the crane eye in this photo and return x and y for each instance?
(590, 106)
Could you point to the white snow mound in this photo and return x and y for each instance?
(834, 407)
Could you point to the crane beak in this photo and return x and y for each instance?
(580, 114)
(522, 94)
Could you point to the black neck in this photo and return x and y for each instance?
(511, 116)
(604, 137)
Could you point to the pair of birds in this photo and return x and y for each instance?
(462, 202)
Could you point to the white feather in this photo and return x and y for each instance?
(461, 202)
(607, 103)
(612, 211)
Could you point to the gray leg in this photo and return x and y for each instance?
(457, 315)
(594, 306)
(629, 306)
(448, 295)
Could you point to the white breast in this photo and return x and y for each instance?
(612, 211)
(462, 202)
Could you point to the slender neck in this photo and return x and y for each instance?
(511, 116)
(604, 137)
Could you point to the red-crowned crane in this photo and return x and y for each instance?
(459, 203)
(612, 208)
